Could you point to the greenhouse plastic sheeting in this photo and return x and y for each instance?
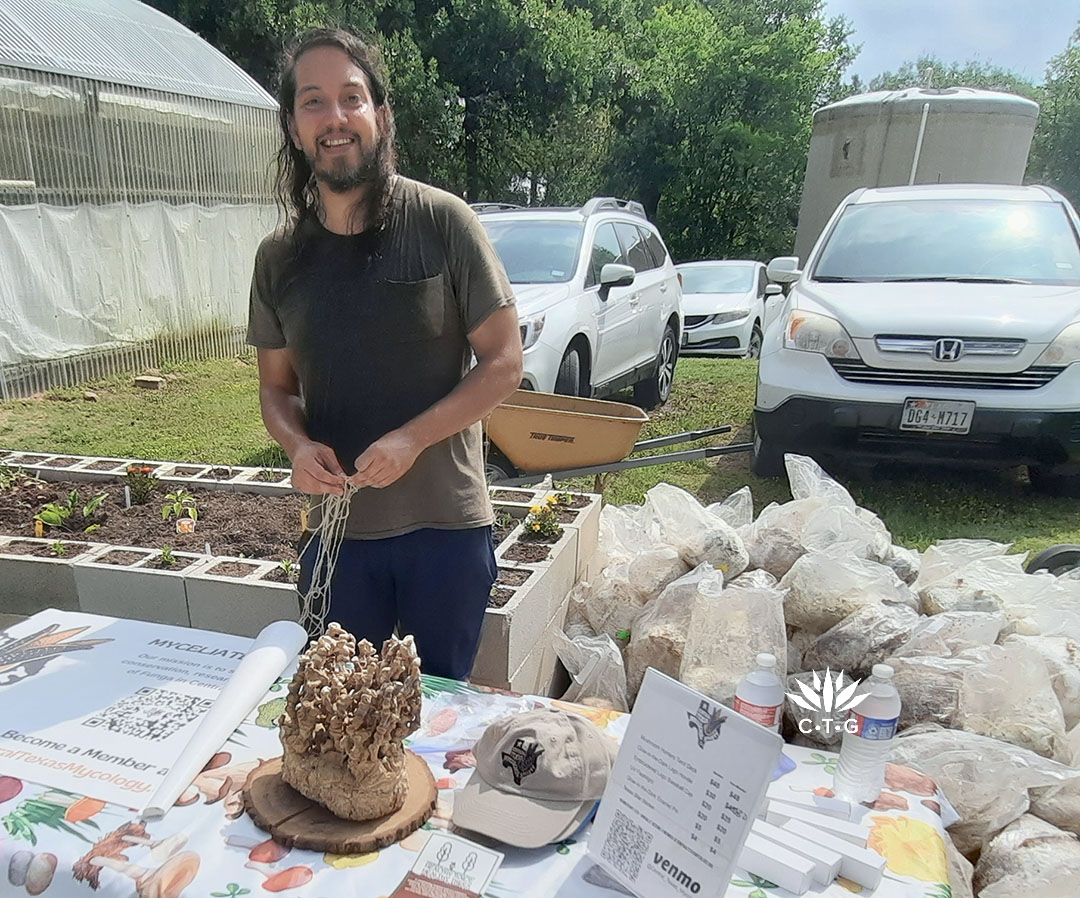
(86, 277)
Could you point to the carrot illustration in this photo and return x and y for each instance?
(83, 809)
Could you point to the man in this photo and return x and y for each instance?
(366, 311)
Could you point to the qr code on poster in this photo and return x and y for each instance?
(625, 845)
(150, 713)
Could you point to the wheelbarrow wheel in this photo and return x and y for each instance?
(497, 467)
(1057, 560)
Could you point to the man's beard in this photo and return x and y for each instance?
(342, 176)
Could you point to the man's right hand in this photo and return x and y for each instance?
(316, 470)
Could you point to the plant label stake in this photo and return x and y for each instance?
(185, 525)
(127, 497)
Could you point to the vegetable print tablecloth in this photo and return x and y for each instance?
(63, 845)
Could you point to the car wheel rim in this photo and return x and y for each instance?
(754, 349)
(666, 374)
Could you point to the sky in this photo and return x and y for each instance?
(1020, 35)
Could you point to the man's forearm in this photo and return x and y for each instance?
(283, 416)
(480, 391)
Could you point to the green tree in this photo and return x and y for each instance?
(932, 71)
(1055, 152)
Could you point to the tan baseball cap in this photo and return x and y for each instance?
(538, 776)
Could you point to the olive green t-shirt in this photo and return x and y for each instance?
(377, 327)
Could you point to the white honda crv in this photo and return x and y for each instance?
(937, 323)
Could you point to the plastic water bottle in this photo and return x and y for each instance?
(760, 694)
(869, 732)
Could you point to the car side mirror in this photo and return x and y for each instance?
(615, 275)
(773, 290)
(783, 269)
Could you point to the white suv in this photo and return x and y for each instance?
(936, 322)
(598, 297)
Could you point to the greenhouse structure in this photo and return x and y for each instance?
(135, 185)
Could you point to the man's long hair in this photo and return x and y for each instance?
(295, 181)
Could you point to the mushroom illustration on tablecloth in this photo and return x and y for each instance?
(174, 871)
(220, 780)
(262, 855)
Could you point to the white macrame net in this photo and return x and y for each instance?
(315, 602)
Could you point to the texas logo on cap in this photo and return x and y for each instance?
(538, 777)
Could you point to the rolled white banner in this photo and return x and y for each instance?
(271, 652)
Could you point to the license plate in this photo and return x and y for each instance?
(937, 416)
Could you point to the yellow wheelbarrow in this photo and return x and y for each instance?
(533, 434)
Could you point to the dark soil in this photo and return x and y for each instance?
(186, 472)
(270, 477)
(576, 501)
(529, 552)
(180, 564)
(266, 527)
(564, 515)
(500, 596)
(103, 465)
(511, 496)
(71, 550)
(26, 459)
(119, 556)
(277, 575)
(499, 532)
(231, 569)
(60, 462)
(530, 536)
(512, 576)
(218, 474)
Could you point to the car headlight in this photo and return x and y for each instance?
(1064, 350)
(811, 332)
(530, 330)
(725, 317)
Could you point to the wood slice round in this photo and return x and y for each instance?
(296, 821)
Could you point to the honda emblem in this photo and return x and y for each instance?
(948, 350)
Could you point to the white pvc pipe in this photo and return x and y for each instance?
(918, 143)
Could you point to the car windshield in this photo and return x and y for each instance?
(952, 239)
(536, 252)
(717, 278)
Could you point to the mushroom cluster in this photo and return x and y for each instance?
(347, 712)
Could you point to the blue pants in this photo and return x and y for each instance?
(435, 583)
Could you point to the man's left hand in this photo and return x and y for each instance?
(385, 460)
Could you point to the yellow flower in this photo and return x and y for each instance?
(536, 509)
(552, 500)
(536, 526)
(345, 861)
(910, 848)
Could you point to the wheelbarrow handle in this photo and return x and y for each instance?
(687, 437)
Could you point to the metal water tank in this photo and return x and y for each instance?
(956, 135)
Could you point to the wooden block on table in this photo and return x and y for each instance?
(775, 863)
(780, 812)
(822, 804)
(826, 861)
(860, 865)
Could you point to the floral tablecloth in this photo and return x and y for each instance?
(68, 846)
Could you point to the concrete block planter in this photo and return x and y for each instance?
(540, 673)
(586, 507)
(31, 582)
(243, 603)
(122, 581)
(510, 633)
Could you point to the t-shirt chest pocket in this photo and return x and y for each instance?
(412, 311)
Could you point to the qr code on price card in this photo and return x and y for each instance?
(150, 713)
(625, 845)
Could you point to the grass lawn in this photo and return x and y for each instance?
(209, 413)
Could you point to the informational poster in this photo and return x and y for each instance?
(687, 783)
(104, 707)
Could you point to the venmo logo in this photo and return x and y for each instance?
(680, 876)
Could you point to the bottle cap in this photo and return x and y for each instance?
(766, 660)
(883, 671)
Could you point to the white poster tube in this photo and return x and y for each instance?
(271, 652)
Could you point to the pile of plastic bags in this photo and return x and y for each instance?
(986, 656)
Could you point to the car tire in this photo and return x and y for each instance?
(655, 390)
(753, 347)
(568, 380)
(766, 460)
(1062, 480)
(497, 467)
(1057, 559)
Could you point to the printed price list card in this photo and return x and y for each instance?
(689, 778)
